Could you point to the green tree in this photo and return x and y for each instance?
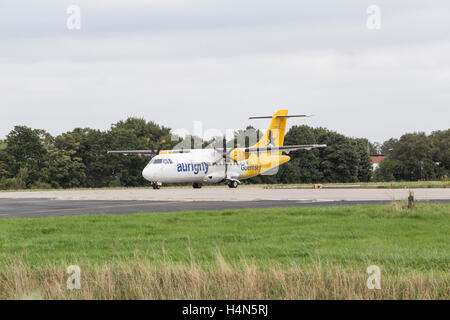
(4, 169)
(340, 159)
(388, 146)
(304, 166)
(363, 147)
(414, 152)
(389, 170)
(138, 134)
(343, 160)
(440, 152)
(24, 150)
(91, 147)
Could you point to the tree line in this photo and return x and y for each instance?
(33, 158)
(415, 156)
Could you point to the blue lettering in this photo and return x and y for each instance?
(194, 167)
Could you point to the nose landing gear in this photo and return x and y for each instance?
(197, 185)
(156, 185)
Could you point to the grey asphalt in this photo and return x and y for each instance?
(39, 207)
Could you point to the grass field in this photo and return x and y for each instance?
(288, 253)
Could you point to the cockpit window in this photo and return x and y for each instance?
(160, 161)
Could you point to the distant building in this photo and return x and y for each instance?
(376, 159)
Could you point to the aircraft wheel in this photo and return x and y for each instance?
(197, 185)
(156, 186)
(233, 184)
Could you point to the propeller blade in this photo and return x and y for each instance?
(224, 145)
(151, 147)
(224, 155)
(159, 149)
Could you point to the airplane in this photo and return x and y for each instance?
(221, 165)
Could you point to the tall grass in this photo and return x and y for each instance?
(141, 279)
(279, 253)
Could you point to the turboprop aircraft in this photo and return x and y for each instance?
(225, 164)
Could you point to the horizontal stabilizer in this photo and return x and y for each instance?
(148, 152)
(281, 116)
(286, 149)
(132, 152)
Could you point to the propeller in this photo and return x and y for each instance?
(225, 155)
(160, 145)
(151, 147)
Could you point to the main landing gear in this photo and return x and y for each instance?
(233, 184)
(197, 185)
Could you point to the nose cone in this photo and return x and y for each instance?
(148, 173)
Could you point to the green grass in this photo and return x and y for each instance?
(393, 238)
(291, 253)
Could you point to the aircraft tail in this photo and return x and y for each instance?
(274, 136)
(272, 139)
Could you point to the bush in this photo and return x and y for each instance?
(12, 184)
(41, 185)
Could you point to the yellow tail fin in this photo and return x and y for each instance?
(275, 134)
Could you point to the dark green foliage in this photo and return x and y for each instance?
(440, 152)
(389, 170)
(416, 156)
(364, 148)
(343, 160)
(31, 158)
(388, 146)
(25, 152)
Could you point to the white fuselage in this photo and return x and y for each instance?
(196, 166)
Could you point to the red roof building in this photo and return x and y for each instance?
(376, 159)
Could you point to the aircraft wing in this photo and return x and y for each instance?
(286, 149)
(126, 152)
(147, 153)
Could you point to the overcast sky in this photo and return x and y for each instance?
(176, 62)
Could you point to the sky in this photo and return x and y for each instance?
(176, 62)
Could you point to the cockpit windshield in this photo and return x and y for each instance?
(161, 161)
